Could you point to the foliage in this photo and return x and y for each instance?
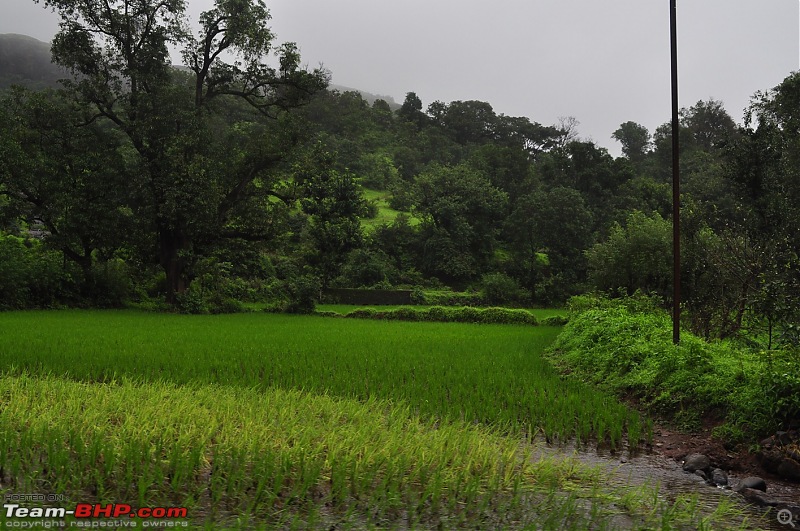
(334, 204)
(449, 314)
(450, 298)
(625, 346)
(461, 212)
(635, 257)
(141, 162)
(202, 161)
(782, 383)
(31, 276)
(499, 289)
(302, 293)
(635, 140)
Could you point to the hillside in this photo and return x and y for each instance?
(368, 96)
(26, 61)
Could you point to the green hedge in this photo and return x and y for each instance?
(447, 314)
(448, 298)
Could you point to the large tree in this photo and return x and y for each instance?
(202, 160)
(461, 214)
(63, 174)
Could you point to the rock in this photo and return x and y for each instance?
(695, 462)
(701, 474)
(758, 498)
(794, 453)
(783, 438)
(719, 477)
(766, 443)
(770, 459)
(752, 483)
(789, 469)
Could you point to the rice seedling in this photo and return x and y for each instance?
(275, 456)
(264, 421)
(494, 375)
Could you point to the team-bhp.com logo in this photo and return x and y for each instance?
(87, 515)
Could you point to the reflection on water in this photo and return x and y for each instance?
(651, 469)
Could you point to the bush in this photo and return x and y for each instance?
(371, 210)
(418, 296)
(454, 298)
(192, 301)
(303, 292)
(110, 284)
(555, 320)
(32, 276)
(634, 257)
(463, 314)
(625, 346)
(500, 289)
(401, 198)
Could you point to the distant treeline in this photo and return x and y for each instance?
(240, 181)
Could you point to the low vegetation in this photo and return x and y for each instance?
(261, 420)
(625, 347)
(249, 459)
(494, 375)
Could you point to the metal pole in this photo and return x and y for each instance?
(676, 184)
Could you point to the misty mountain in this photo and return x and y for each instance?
(368, 96)
(27, 61)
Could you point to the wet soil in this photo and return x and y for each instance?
(739, 463)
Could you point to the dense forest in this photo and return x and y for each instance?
(202, 186)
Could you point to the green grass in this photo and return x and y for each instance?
(630, 353)
(489, 374)
(277, 458)
(232, 451)
(386, 214)
(264, 421)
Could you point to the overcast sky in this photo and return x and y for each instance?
(603, 62)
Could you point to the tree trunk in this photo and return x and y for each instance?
(171, 243)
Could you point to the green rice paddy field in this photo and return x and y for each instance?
(275, 421)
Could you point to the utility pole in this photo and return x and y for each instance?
(676, 183)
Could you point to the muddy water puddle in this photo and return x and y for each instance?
(625, 469)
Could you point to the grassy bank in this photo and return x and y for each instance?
(625, 347)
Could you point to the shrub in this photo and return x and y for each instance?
(302, 293)
(499, 289)
(464, 314)
(454, 298)
(371, 209)
(625, 346)
(32, 276)
(418, 296)
(362, 313)
(191, 301)
(402, 197)
(555, 320)
(110, 284)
